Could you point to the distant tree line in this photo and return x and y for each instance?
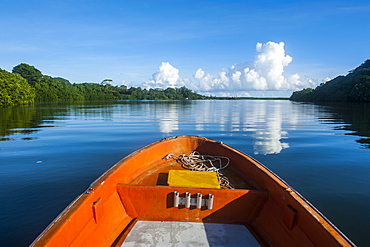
(26, 85)
(354, 87)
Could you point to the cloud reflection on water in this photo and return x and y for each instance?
(261, 120)
(265, 123)
(168, 119)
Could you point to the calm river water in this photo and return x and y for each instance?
(49, 154)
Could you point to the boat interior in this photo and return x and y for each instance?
(148, 198)
(151, 198)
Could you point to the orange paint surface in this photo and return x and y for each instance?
(274, 213)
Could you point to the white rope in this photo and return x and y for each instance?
(199, 162)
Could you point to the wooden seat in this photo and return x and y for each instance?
(156, 203)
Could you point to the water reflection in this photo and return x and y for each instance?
(23, 121)
(20, 122)
(351, 117)
(168, 118)
(267, 122)
(262, 120)
(269, 132)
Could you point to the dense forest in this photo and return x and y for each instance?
(354, 87)
(26, 85)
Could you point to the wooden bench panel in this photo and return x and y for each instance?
(156, 203)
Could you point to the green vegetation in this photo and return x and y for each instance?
(354, 87)
(26, 85)
(14, 90)
(28, 72)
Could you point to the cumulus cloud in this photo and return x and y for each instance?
(265, 73)
(166, 76)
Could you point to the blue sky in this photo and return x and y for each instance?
(191, 43)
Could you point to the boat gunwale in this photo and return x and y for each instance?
(81, 198)
(294, 193)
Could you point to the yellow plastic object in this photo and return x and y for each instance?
(199, 179)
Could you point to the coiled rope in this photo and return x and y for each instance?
(200, 162)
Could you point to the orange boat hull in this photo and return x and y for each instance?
(274, 213)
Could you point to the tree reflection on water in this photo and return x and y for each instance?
(262, 120)
(352, 117)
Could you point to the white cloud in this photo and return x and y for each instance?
(326, 79)
(265, 73)
(166, 76)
